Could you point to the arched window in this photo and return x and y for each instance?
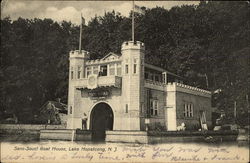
(79, 72)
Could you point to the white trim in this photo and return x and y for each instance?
(110, 54)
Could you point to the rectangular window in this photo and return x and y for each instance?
(188, 110)
(153, 107)
(191, 110)
(134, 68)
(164, 78)
(88, 71)
(103, 70)
(79, 72)
(126, 108)
(119, 69)
(95, 70)
(126, 69)
(185, 110)
(111, 69)
(72, 73)
(135, 65)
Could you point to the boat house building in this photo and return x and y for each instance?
(120, 92)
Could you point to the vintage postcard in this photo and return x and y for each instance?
(124, 81)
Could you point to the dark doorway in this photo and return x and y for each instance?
(101, 120)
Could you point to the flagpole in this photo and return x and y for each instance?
(133, 22)
(80, 39)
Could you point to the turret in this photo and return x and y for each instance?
(77, 61)
(77, 64)
(132, 82)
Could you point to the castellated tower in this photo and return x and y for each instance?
(132, 82)
(77, 61)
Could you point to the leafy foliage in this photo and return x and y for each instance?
(208, 44)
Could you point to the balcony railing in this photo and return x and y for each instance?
(154, 85)
(100, 81)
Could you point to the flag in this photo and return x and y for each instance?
(80, 38)
(140, 10)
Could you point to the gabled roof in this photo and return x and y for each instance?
(111, 55)
(58, 105)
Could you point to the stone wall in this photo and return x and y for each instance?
(127, 136)
(29, 127)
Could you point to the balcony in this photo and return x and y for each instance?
(93, 82)
(154, 85)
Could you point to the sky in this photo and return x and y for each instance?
(71, 10)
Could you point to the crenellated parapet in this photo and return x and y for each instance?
(137, 45)
(192, 88)
(187, 89)
(79, 54)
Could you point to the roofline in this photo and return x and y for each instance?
(51, 101)
(110, 53)
(161, 69)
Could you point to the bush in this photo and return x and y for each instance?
(192, 133)
(156, 127)
(193, 127)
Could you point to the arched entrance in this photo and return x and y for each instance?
(101, 119)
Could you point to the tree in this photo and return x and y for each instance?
(208, 44)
